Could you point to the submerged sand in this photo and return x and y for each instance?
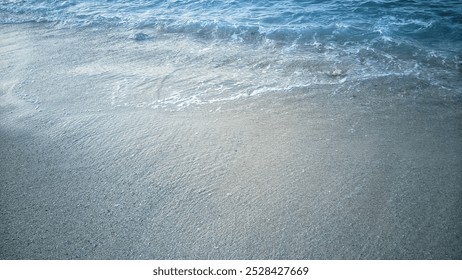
(375, 173)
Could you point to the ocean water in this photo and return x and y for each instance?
(212, 51)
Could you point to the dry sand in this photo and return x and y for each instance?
(371, 175)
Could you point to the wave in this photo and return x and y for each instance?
(300, 44)
(428, 23)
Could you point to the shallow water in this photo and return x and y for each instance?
(194, 52)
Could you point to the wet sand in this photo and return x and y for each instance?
(374, 173)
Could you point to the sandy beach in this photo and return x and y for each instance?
(374, 172)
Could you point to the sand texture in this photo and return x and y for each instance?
(374, 172)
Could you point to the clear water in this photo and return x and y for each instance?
(242, 48)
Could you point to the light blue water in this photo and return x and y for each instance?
(422, 39)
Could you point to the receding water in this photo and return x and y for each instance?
(207, 51)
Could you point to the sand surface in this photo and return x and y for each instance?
(374, 173)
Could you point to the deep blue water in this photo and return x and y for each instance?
(424, 37)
